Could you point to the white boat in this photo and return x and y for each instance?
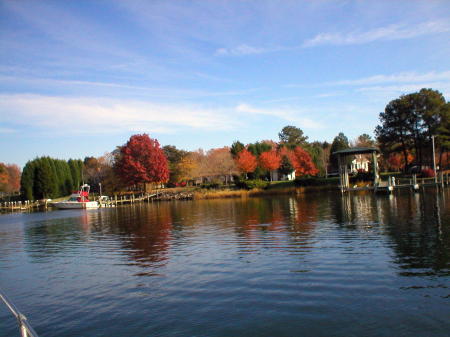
(78, 199)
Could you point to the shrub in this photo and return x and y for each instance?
(251, 184)
(427, 173)
(209, 186)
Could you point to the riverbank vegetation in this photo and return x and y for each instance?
(407, 128)
(9, 178)
(46, 177)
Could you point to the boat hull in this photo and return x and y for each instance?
(76, 205)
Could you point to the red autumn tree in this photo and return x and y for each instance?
(396, 161)
(303, 163)
(246, 162)
(141, 160)
(270, 160)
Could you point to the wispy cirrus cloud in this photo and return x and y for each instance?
(391, 32)
(288, 114)
(395, 84)
(70, 115)
(159, 92)
(386, 82)
(403, 77)
(443, 87)
(399, 83)
(386, 33)
(245, 49)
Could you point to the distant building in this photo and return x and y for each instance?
(359, 163)
(277, 176)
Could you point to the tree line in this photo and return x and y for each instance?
(404, 137)
(45, 177)
(408, 125)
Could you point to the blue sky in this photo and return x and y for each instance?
(79, 77)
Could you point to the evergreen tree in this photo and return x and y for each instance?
(27, 180)
(236, 147)
(292, 136)
(409, 122)
(259, 147)
(46, 177)
(286, 166)
(75, 166)
(174, 157)
(340, 142)
(443, 132)
(67, 178)
(315, 150)
(80, 173)
(53, 185)
(364, 140)
(43, 180)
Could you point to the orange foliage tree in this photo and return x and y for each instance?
(396, 161)
(270, 160)
(246, 162)
(13, 177)
(186, 168)
(221, 163)
(9, 178)
(197, 165)
(303, 163)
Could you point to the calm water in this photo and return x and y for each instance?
(321, 265)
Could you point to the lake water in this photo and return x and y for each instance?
(315, 265)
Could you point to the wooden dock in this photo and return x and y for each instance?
(126, 199)
(116, 200)
(160, 195)
(15, 206)
(393, 184)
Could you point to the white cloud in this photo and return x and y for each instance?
(391, 32)
(405, 77)
(387, 85)
(291, 115)
(102, 115)
(328, 94)
(443, 87)
(242, 49)
(134, 89)
(400, 83)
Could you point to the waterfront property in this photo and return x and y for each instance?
(342, 156)
(358, 154)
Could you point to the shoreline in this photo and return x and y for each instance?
(226, 194)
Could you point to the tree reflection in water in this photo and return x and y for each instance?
(413, 225)
(415, 222)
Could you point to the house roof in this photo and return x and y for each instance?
(356, 150)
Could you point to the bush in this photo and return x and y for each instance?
(209, 186)
(427, 173)
(314, 181)
(251, 184)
